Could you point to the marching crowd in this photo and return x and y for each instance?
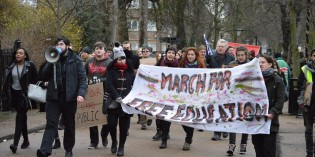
(66, 82)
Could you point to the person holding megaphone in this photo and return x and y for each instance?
(66, 87)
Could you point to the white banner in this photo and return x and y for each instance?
(229, 100)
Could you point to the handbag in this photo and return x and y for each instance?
(37, 93)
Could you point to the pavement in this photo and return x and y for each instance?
(139, 143)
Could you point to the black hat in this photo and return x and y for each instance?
(87, 50)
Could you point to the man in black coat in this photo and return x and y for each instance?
(220, 57)
(66, 87)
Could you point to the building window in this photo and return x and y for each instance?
(133, 25)
(151, 26)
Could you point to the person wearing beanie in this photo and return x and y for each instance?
(85, 54)
(96, 69)
(120, 77)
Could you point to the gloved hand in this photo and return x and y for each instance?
(119, 99)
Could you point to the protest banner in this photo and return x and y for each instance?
(89, 113)
(249, 47)
(229, 100)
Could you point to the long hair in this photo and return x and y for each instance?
(27, 58)
(201, 62)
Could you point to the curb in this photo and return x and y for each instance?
(32, 130)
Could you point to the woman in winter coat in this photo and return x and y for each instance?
(265, 144)
(120, 77)
(191, 59)
(162, 126)
(20, 74)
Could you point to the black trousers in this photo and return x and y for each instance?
(308, 114)
(53, 111)
(232, 138)
(165, 127)
(124, 123)
(94, 133)
(20, 119)
(265, 144)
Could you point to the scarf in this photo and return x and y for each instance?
(121, 68)
(267, 72)
(168, 63)
(191, 65)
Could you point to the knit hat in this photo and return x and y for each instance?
(118, 51)
(87, 50)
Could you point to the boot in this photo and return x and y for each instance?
(13, 148)
(120, 151)
(25, 144)
(56, 144)
(163, 145)
(157, 136)
(113, 149)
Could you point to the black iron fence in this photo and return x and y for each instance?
(5, 60)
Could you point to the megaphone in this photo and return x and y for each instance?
(52, 54)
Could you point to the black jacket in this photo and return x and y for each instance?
(29, 75)
(118, 86)
(276, 96)
(75, 80)
(213, 61)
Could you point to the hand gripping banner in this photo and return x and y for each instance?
(229, 100)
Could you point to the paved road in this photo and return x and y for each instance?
(140, 144)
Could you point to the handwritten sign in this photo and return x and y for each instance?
(229, 100)
(89, 113)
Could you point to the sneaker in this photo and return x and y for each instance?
(143, 127)
(243, 148)
(225, 134)
(216, 137)
(92, 146)
(163, 145)
(57, 144)
(69, 154)
(200, 130)
(186, 146)
(25, 144)
(231, 149)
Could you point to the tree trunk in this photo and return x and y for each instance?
(122, 30)
(143, 23)
(179, 22)
(285, 25)
(293, 45)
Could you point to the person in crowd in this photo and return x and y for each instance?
(139, 52)
(202, 50)
(109, 51)
(217, 60)
(96, 72)
(191, 59)
(305, 84)
(251, 55)
(230, 51)
(120, 77)
(19, 74)
(130, 57)
(285, 68)
(265, 144)
(85, 54)
(66, 87)
(44, 83)
(179, 54)
(163, 127)
(241, 58)
(146, 60)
